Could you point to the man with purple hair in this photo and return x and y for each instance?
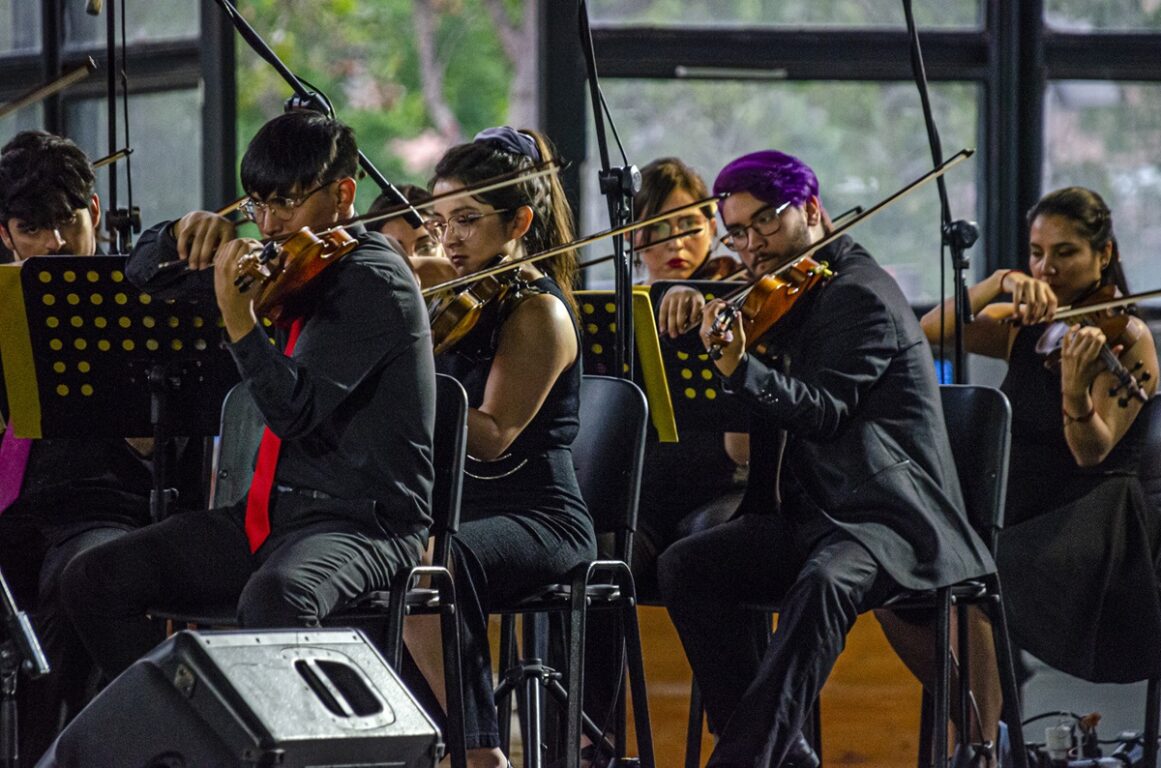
(870, 504)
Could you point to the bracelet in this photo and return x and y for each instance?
(1004, 277)
(1070, 419)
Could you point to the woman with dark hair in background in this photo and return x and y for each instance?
(524, 524)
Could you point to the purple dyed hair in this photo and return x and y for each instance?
(772, 177)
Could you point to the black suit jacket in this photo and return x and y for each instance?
(868, 449)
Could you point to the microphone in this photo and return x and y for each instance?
(93, 7)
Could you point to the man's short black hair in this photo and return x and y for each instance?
(296, 151)
(43, 179)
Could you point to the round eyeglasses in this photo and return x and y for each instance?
(457, 227)
(281, 207)
(766, 222)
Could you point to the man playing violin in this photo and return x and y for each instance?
(60, 496)
(341, 505)
(868, 504)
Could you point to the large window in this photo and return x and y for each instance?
(823, 13)
(167, 52)
(1107, 136)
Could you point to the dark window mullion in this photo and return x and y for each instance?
(650, 52)
(1102, 56)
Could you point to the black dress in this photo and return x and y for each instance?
(1078, 555)
(523, 523)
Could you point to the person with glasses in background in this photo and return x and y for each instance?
(867, 503)
(422, 248)
(340, 499)
(696, 482)
(524, 524)
(61, 496)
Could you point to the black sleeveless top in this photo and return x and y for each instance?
(1041, 460)
(555, 425)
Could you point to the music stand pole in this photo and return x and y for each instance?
(20, 651)
(618, 185)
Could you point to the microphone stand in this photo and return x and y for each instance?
(618, 185)
(958, 235)
(20, 651)
(121, 223)
(305, 98)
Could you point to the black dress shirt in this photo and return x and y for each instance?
(355, 404)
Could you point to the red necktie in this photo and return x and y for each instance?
(258, 500)
(13, 461)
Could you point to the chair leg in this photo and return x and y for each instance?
(1152, 715)
(507, 661)
(926, 706)
(942, 677)
(816, 727)
(963, 641)
(1010, 689)
(637, 681)
(693, 730)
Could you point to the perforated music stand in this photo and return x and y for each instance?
(698, 400)
(88, 355)
(598, 337)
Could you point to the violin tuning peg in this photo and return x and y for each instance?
(1123, 402)
(1137, 367)
(1145, 376)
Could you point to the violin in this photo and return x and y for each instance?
(456, 313)
(1118, 330)
(282, 271)
(768, 299)
(719, 268)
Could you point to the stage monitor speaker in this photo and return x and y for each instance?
(266, 698)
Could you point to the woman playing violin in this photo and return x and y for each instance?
(524, 524)
(1079, 553)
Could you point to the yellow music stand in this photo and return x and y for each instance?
(598, 329)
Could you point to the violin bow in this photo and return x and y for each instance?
(570, 246)
(44, 90)
(935, 173)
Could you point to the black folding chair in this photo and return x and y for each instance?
(608, 454)
(1149, 472)
(240, 435)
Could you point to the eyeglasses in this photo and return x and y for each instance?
(278, 206)
(458, 227)
(426, 246)
(766, 222)
(670, 227)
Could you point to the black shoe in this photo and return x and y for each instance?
(801, 754)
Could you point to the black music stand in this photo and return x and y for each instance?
(598, 320)
(20, 651)
(694, 385)
(88, 355)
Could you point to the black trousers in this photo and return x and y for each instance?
(33, 554)
(757, 696)
(310, 566)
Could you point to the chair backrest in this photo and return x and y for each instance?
(979, 423)
(451, 445)
(1149, 468)
(609, 450)
(241, 432)
(237, 445)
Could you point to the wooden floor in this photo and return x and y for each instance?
(870, 706)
